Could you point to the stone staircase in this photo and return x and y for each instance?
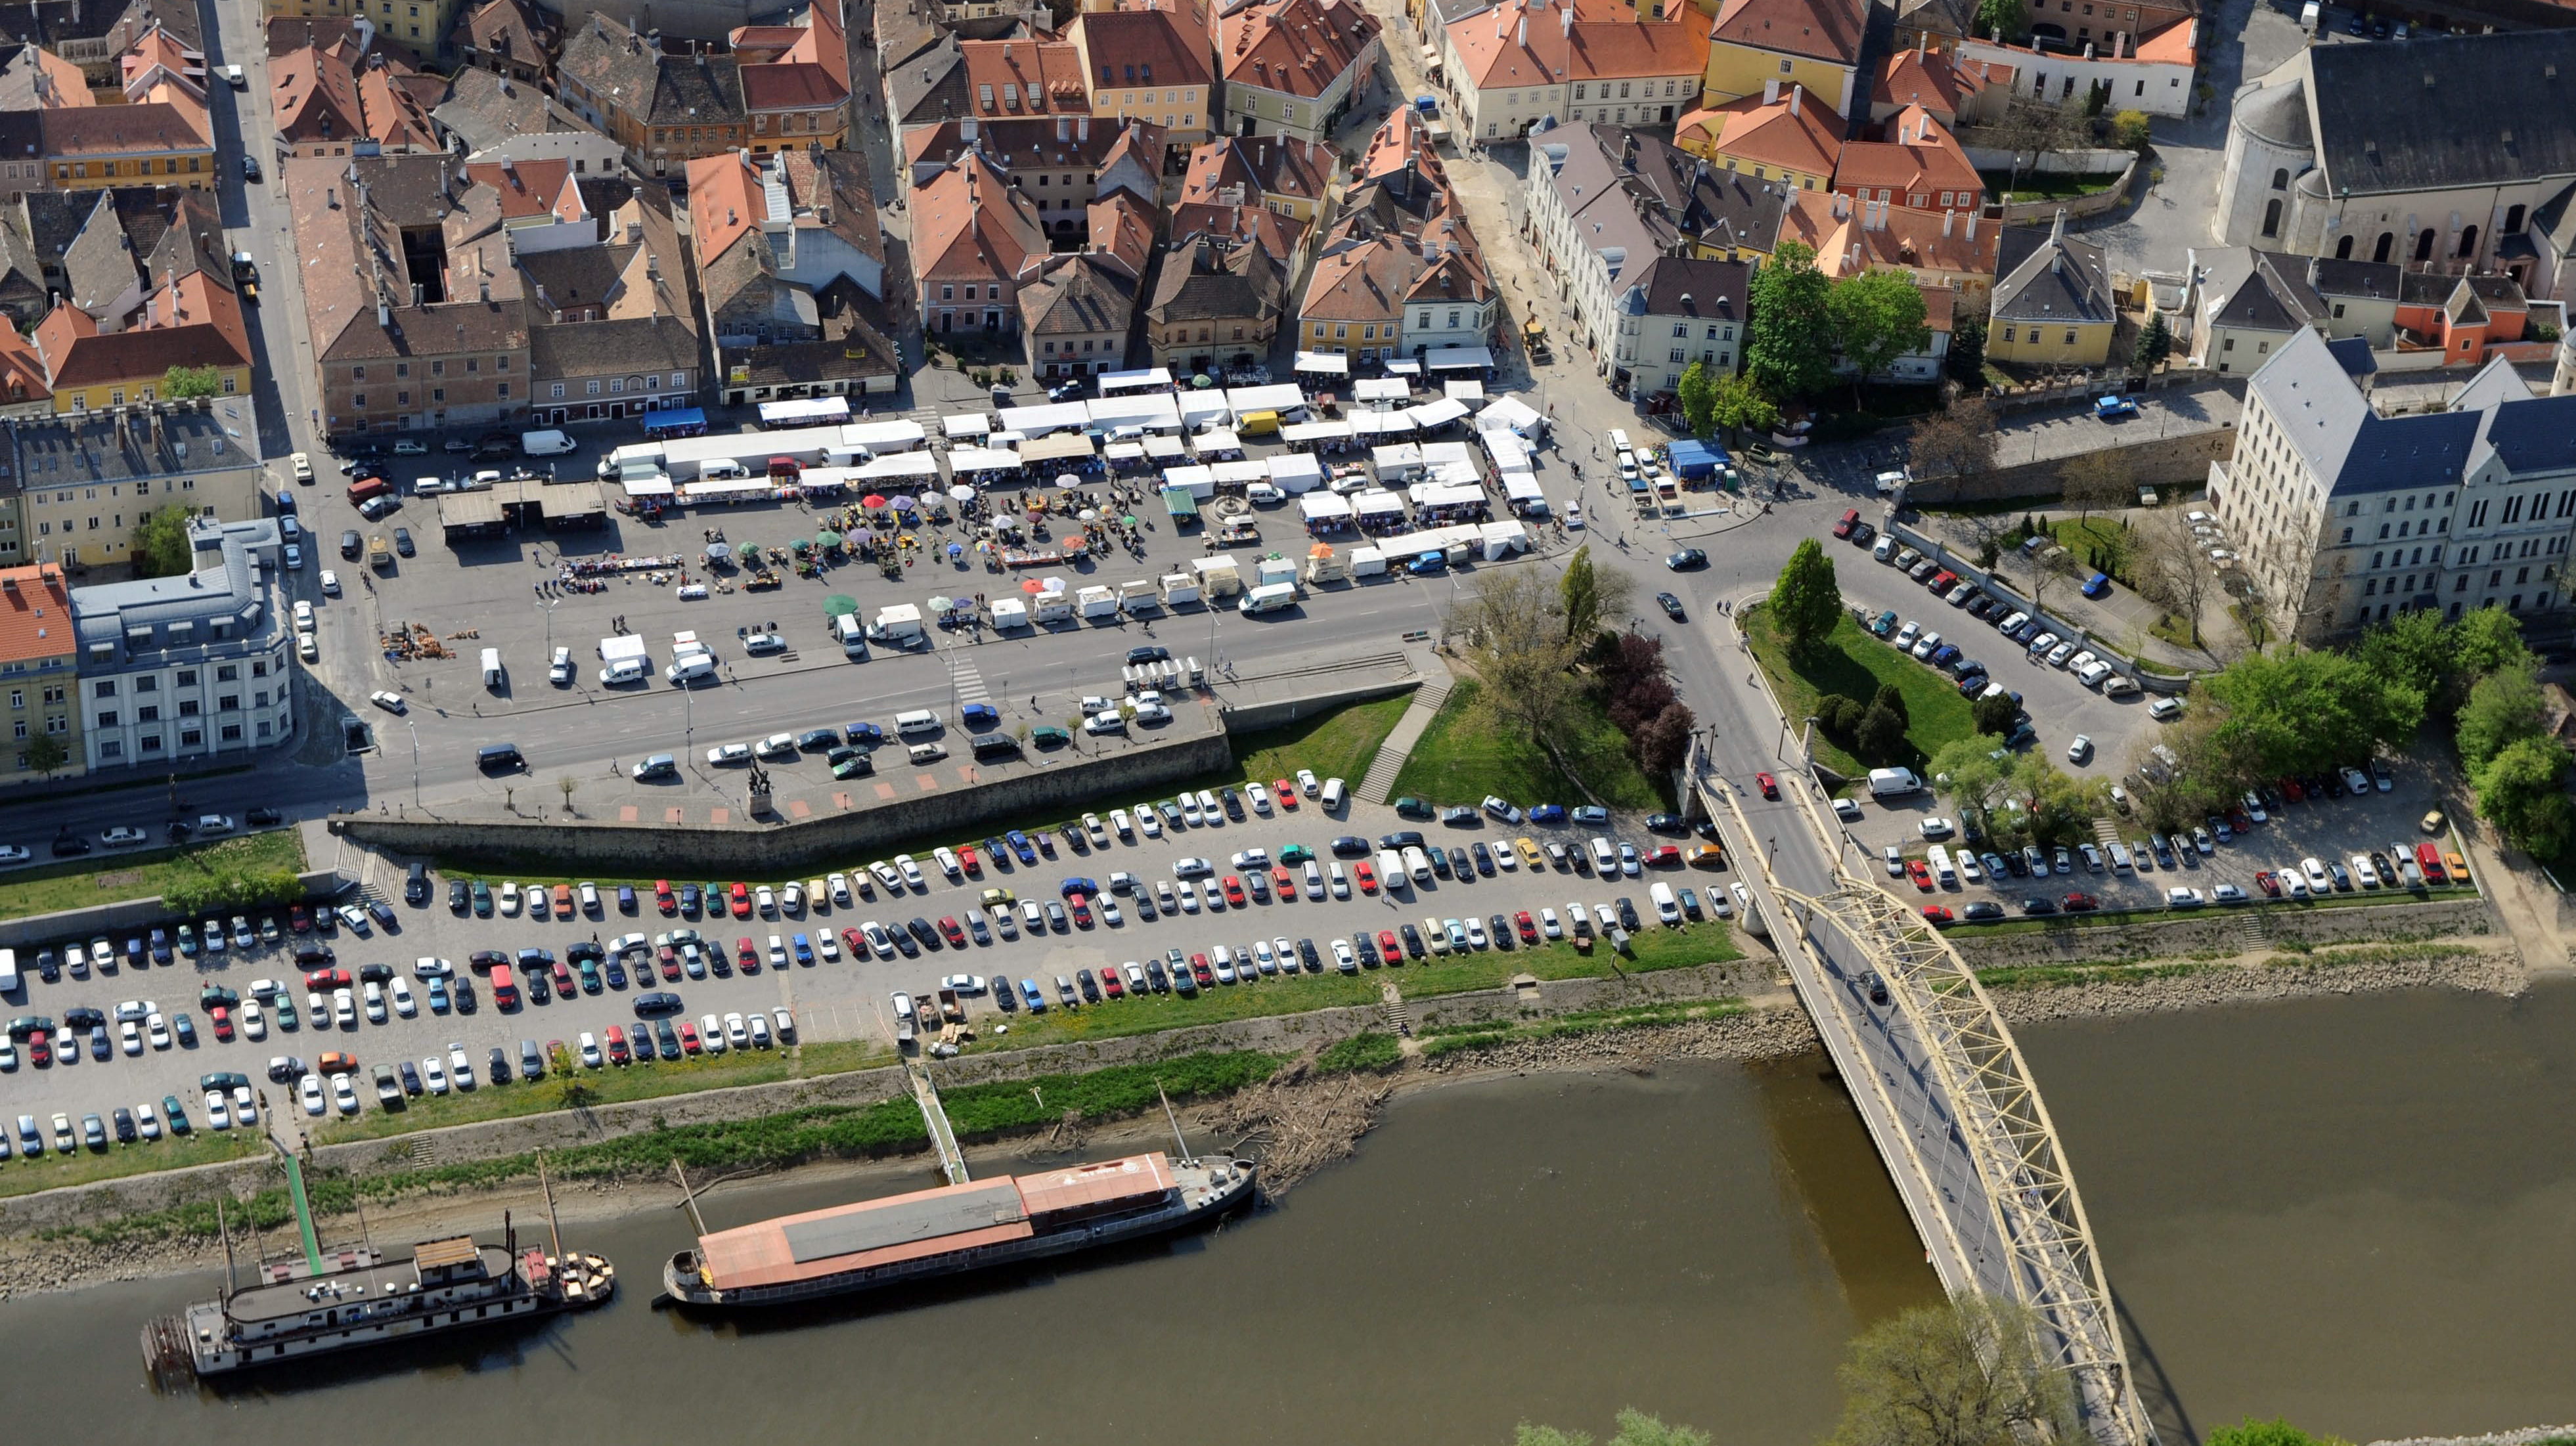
(1399, 1018)
(1379, 785)
(2251, 936)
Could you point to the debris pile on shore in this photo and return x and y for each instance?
(1299, 1121)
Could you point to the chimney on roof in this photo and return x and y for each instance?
(1948, 219)
(1568, 26)
(1771, 91)
(1522, 37)
(487, 288)
(1972, 225)
(2057, 229)
(1923, 43)
(1795, 91)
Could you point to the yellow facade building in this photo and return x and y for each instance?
(1814, 44)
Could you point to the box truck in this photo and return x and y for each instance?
(898, 626)
(1096, 604)
(1180, 589)
(1270, 597)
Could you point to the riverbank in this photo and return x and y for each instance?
(1298, 1119)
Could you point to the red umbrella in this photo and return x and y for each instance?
(1031, 586)
(872, 500)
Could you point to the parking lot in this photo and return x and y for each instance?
(2330, 830)
(845, 997)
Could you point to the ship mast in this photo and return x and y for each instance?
(554, 1228)
(1186, 1157)
(689, 1196)
(224, 1229)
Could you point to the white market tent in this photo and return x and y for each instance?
(1404, 368)
(1509, 452)
(1161, 447)
(1468, 390)
(1237, 474)
(971, 424)
(1378, 504)
(1439, 412)
(899, 464)
(883, 436)
(1052, 417)
(1324, 507)
(1322, 431)
(1155, 411)
(1511, 414)
(1324, 362)
(1396, 462)
(1199, 409)
(1365, 423)
(1381, 389)
(1457, 358)
(1445, 494)
(1217, 439)
(652, 484)
(1522, 487)
(731, 489)
(1200, 481)
(1283, 398)
(1294, 472)
(1448, 454)
(1154, 379)
(1124, 451)
(982, 459)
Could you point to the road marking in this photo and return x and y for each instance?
(968, 678)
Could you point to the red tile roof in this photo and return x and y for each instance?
(1828, 30)
(35, 615)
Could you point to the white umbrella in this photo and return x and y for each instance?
(1090, 514)
(961, 494)
(941, 604)
(1067, 479)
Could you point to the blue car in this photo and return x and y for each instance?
(1090, 888)
(981, 715)
(804, 949)
(438, 1000)
(626, 898)
(1943, 656)
(863, 735)
(1885, 624)
(1029, 995)
(2097, 585)
(1426, 563)
(160, 946)
(1547, 813)
(1020, 848)
(2111, 407)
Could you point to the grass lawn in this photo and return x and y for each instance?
(170, 1152)
(1419, 979)
(606, 1086)
(80, 883)
(2090, 537)
(1458, 760)
(1855, 664)
(2035, 187)
(1336, 744)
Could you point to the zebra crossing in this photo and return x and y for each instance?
(968, 680)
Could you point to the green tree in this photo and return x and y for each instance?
(1789, 346)
(1698, 392)
(1522, 655)
(1973, 777)
(2011, 17)
(2062, 807)
(2251, 1432)
(1805, 599)
(161, 546)
(2132, 131)
(179, 383)
(1877, 317)
(1889, 698)
(1970, 1372)
(46, 754)
(2155, 343)
(2503, 709)
(1881, 735)
(2480, 643)
(1636, 1428)
(2520, 792)
(1995, 715)
(2306, 712)
(1740, 406)
(1965, 361)
(1590, 597)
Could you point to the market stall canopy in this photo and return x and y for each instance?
(652, 485)
(1439, 412)
(1369, 424)
(840, 605)
(1323, 507)
(1216, 439)
(1457, 358)
(1328, 430)
(1149, 380)
(971, 424)
(1295, 471)
(1378, 503)
(899, 464)
(1040, 420)
(982, 459)
(884, 436)
(1057, 447)
(1464, 389)
(1161, 447)
(1381, 389)
(1399, 457)
(1511, 414)
(1282, 398)
(1323, 363)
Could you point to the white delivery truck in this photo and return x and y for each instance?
(1887, 783)
(1139, 598)
(1049, 607)
(1096, 604)
(1180, 589)
(1008, 612)
(898, 626)
(853, 636)
(492, 669)
(1270, 597)
(546, 443)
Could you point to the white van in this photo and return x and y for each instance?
(690, 668)
(1390, 869)
(623, 670)
(919, 720)
(492, 669)
(719, 469)
(852, 633)
(547, 443)
(9, 980)
(1667, 908)
(1332, 795)
(1418, 864)
(1941, 868)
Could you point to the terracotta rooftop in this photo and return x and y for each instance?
(1262, 166)
(1828, 30)
(1797, 132)
(35, 615)
(1293, 47)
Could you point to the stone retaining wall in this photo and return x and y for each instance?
(2215, 931)
(1257, 716)
(2169, 461)
(126, 916)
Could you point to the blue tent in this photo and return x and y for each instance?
(1694, 459)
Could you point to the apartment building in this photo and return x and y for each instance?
(39, 653)
(200, 665)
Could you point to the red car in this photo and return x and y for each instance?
(664, 899)
(1936, 915)
(1665, 855)
(1770, 786)
(1233, 891)
(1110, 984)
(957, 937)
(2269, 882)
(1200, 971)
(323, 981)
(1849, 520)
(688, 1037)
(1285, 882)
(857, 943)
(2292, 789)
(1942, 582)
(40, 1050)
(970, 861)
(1388, 948)
(1284, 791)
(1921, 873)
(741, 896)
(563, 980)
(2239, 820)
(2081, 903)
(617, 1052)
(1367, 876)
(746, 957)
(1529, 929)
(222, 1019)
(1079, 905)
(300, 919)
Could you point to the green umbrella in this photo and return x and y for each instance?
(827, 538)
(840, 605)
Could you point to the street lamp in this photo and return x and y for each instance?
(415, 760)
(548, 608)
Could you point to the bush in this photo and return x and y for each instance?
(1369, 1052)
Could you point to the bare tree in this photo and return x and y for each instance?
(1516, 638)
(2032, 127)
(1956, 443)
(2097, 479)
(2172, 571)
(2051, 567)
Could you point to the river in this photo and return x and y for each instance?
(2359, 1212)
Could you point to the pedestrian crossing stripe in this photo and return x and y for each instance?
(969, 680)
